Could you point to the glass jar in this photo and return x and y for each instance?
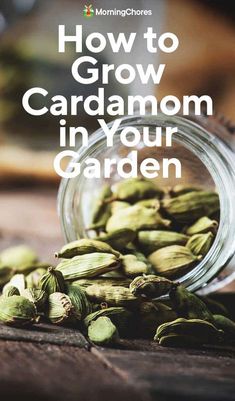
(206, 160)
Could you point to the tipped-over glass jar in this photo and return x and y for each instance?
(207, 161)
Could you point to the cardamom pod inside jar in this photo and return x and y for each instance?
(201, 149)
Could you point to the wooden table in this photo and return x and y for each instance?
(52, 363)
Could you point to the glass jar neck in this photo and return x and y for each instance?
(215, 155)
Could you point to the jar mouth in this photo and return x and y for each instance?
(214, 155)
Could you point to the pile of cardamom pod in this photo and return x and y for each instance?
(115, 284)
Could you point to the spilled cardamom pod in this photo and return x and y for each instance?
(150, 286)
(17, 311)
(19, 258)
(199, 244)
(5, 274)
(136, 218)
(228, 327)
(103, 332)
(118, 239)
(90, 265)
(30, 268)
(52, 281)
(202, 226)
(142, 258)
(173, 261)
(114, 296)
(151, 315)
(179, 341)
(150, 241)
(37, 296)
(32, 279)
(191, 206)
(120, 281)
(205, 332)
(188, 305)
(215, 307)
(60, 308)
(9, 290)
(18, 281)
(114, 274)
(132, 266)
(82, 306)
(121, 317)
(84, 246)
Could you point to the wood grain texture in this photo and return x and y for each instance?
(176, 374)
(42, 372)
(45, 333)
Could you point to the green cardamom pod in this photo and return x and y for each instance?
(30, 268)
(150, 316)
(101, 209)
(115, 206)
(136, 218)
(114, 296)
(132, 266)
(134, 189)
(120, 316)
(103, 332)
(9, 290)
(90, 265)
(150, 203)
(204, 331)
(37, 296)
(18, 281)
(118, 239)
(188, 305)
(173, 261)
(19, 258)
(202, 226)
(17, 311)
(180, 341)
(114, 274)
(120, 281)
(5, 274)
(199, 244)
(60, 308)
(82, 306)
(84, 246)
(180, 189)
(27, 269)
(142, 258)
(150, 286)
(32, 279)
(215, 307)
(191, 206)
(52, 281)
(150, 241)
(228, 327)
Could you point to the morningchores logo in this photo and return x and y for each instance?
(89, 11)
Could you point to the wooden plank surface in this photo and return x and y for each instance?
(176, 374)
(41, 372)
(34, 366)
(45, 333)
